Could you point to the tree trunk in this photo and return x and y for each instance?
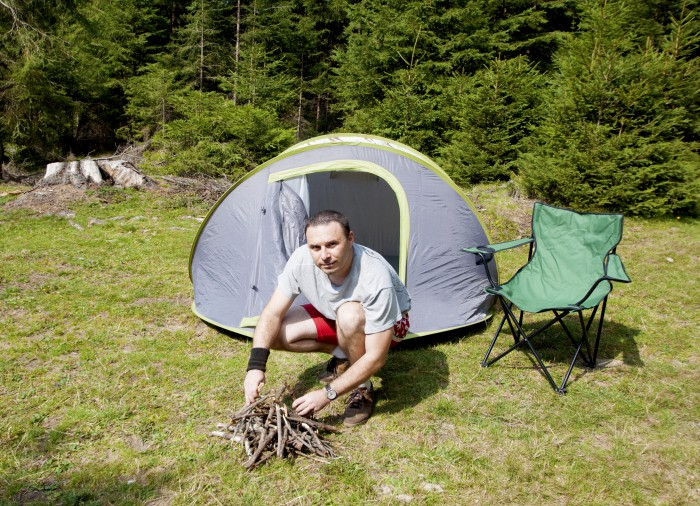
(237, 52)
(85, 173)
(201, 51)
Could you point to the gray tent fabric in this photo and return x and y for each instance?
(294, 218)
(399, 203)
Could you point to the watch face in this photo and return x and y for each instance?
(330, 393)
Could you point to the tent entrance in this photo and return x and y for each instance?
(371, 203)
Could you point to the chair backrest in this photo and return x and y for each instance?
(569, 255)
(570, 234)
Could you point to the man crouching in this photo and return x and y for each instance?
(358, 309)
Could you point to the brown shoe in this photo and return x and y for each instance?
(359, 409)
(334, 368)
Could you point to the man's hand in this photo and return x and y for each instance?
(254, 379)
(311, 403)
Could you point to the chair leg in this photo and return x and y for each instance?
(562, 388)
(588, 357)
(557, 389)
(600, 329)
(484, 362)
(521, 338)
(584, 336)
(516, 334)
(516, 331)
(585, 328)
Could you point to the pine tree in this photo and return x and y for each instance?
(285, 63)
(402, 58)
(203, 44)
(495, 111)
(150, 98)
(621, 132)
(213, 136)
(35, 84)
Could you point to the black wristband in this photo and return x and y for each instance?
(258, 359)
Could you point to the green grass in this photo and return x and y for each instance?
(110, 385)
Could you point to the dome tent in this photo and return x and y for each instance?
(399, 203)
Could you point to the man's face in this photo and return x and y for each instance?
(331, 250)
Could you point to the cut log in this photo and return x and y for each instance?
(91, 171)
(124, 174)
(84, 173)
(75, 176)
(54, 173)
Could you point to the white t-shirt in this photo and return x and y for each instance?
(371, 282)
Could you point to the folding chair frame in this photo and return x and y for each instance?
(581, 345)
(521, 337)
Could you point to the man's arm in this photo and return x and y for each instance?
(266, 332)
(376, 351)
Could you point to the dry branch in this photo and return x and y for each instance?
(266, 428)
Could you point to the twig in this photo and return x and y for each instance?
(266, 429)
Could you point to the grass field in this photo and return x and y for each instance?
(110, 385)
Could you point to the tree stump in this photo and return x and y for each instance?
(99, 172)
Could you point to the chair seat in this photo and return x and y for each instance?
(555, 297)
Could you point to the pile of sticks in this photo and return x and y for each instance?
(267, 428)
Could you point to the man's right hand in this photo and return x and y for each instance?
(254, 379)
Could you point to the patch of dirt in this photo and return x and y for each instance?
(137, 444)
(57, 200)
(207, 189)
(49, 199)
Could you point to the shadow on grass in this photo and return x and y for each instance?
(408, 377)
(553, 345)
(617, 346)
(414, 371)
(77, 488)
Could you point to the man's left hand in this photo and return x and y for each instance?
(311, 402)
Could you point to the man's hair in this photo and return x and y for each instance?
(327, 217)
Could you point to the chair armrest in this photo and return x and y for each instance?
(485, 254)
(615, 271)
(495, 248)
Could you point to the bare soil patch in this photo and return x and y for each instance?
(49, 200)
(54, 200)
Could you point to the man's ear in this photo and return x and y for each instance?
(351, 236)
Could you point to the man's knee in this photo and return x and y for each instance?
(297, 325)
(350, 319)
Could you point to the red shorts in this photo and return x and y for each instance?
(326, 333)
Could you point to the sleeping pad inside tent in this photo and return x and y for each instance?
(399, 203)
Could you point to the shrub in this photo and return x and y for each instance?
(213, 136)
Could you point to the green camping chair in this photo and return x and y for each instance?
(570, 267)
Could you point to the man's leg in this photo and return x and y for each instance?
(350, 325)
(298, 333)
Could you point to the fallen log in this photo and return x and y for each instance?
(266, 428)
(97, 172)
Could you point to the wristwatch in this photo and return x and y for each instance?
(330, 393)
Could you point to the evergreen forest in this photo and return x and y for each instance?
(591, 104)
